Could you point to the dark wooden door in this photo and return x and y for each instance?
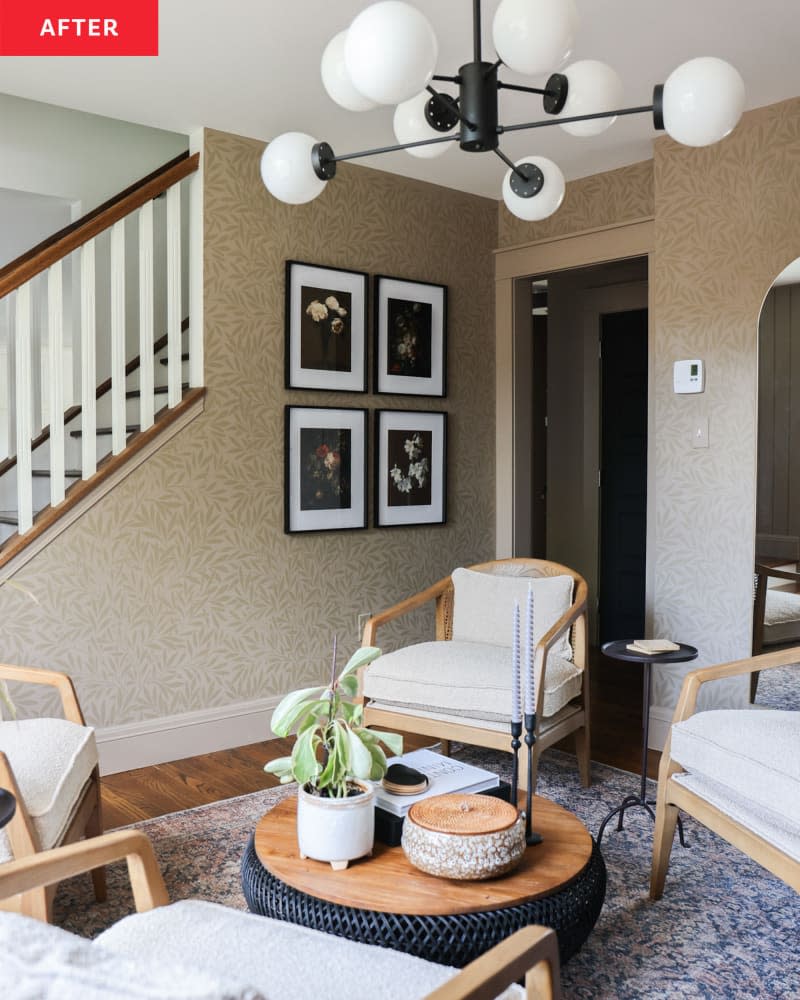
(539, 440)
(623, 474)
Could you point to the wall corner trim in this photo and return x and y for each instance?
(173, 737)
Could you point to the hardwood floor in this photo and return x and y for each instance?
(131, 796)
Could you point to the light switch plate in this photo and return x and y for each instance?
(700, 433)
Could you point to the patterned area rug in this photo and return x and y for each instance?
(725, 928)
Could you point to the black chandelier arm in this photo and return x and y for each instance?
(446, 79)
(495, 66)
(325, 157)
(501, 129)
(509, 163)
(525, 90)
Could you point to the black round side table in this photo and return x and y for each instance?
(618, 650)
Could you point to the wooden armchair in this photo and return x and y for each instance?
(459, 686)
(737, 771)
(176, 943)
(50, 766)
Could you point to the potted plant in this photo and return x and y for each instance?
(333, 760)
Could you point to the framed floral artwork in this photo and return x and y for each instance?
(325, 482)
(410, 337)
(410, 468)
(326, 324)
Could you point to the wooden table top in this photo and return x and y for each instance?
(388, 883)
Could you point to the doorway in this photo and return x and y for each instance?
(593, 494)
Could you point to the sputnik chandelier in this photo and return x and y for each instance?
(388, 56)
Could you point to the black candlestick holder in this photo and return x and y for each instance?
(531, 837)
(516, 732)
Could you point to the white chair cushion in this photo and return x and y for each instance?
(282, 960)
(483, 607)
(468, 679)
(781, 617)
(755, 755)
(52, 760)
(42, 962)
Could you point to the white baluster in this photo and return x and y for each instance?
(146, 406)
(118, 415)
(88, 362)
(174, 371)
(24, 392)
(196, 356)
(55, 351)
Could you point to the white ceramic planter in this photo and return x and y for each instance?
(336, 830)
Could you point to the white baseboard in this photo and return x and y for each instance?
(660, 721)
(156, 741)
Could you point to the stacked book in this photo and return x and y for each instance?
(444, 776)
(651, 646)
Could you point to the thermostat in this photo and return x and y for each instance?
(688, 376)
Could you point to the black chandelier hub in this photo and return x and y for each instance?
(526, 180)
(323, 160)
(478, 107)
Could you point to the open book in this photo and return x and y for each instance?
(445, 775)
(652, 646)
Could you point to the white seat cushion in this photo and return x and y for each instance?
(467, 679)
(279, 958)
(781, 617)
(42, 962)
(483, 607)
(52, 760)
(755, 755)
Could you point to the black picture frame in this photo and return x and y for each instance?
(325, 468)
(410, 468)
(410, 343)
(326, 311)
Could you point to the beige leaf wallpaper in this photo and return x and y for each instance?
(179, 590)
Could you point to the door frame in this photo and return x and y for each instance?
(513, 268)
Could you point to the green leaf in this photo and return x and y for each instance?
(349, 686)
(394, 741)
(378, 762)
(360, 658)
(360, 756)
(280, 766)
(304, 758)
(292, 706)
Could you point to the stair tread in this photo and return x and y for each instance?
(9, 517)
(136, 393)
(69, 473)
(184, 357)
(129, 429)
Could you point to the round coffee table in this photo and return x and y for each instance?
(384, 900)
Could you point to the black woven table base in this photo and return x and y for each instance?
(455, 939)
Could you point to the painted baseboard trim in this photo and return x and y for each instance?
(173, 737)
(660, 721)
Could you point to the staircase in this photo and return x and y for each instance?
(97, 365)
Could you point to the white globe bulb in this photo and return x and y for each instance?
(286, 169)
(548, 199)
(336, 79)
(592, 86)
(703, 101)
(390, 52)
(411, 125)
(534, 36)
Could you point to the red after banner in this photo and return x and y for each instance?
(76, 28)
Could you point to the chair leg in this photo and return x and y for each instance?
(445, 748)
(94, 828)
(37, 903)
(753, 685)
(584, 755)
(666, 821)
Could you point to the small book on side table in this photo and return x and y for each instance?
(651, 646)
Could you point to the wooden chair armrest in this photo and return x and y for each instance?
(782, 574)
(53, 678)
(49, 867)
(20, 830)
(531, 952)
(397, 610)
(687, 702)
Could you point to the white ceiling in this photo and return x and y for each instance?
(252, 67)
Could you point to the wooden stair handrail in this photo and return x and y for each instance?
(58, 246)
(75, 411)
